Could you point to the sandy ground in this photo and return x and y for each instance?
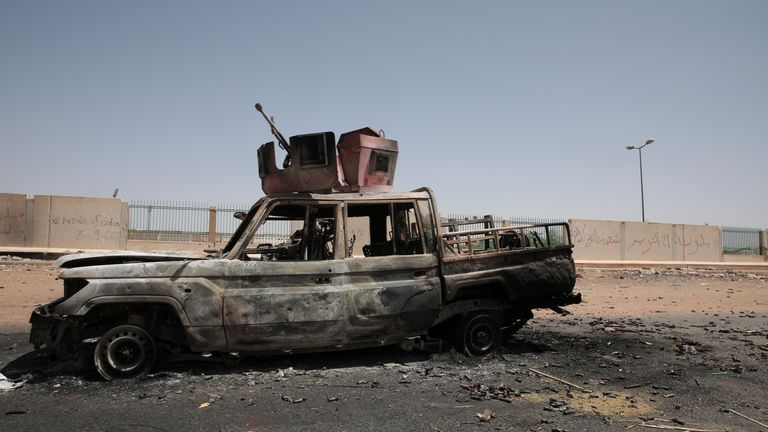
(22, 286)
(644, 292)
(675, 349)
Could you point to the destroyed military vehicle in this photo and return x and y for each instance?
(361, 266)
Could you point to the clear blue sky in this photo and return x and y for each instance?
(511, 108)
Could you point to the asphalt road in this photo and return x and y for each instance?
(662, 371)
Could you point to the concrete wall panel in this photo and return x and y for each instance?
(651, 242)
(40, 220)
(702, 243)
(93, 223)
(13, 219)
(614, 240)
(596, 240)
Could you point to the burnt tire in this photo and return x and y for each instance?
(125, 352)
(517, 321)
(478, 334)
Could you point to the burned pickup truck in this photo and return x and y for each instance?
(332, 269)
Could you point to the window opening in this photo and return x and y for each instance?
(384, 229)
(295, 232)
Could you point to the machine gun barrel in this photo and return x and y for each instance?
(280, 138)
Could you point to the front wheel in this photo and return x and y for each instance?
(124, 352)
(478, 334)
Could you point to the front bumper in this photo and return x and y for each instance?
(48, 328)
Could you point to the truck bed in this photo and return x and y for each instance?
(533, 264)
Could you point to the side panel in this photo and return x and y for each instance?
(274, 305)
(525, 275)
(197, 296)
(390, 298)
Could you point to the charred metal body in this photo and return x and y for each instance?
(363, 267)
(409, 279)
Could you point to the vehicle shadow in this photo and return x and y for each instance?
(42, 365)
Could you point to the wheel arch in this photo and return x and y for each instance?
(143, 302)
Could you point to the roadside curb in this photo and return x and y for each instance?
(741, 266)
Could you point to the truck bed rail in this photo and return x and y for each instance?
(491, 240)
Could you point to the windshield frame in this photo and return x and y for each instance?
(241, 231)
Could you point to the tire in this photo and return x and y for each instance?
(478, 334)
(125, 352)
(517, 321)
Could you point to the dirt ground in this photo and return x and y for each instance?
(646, 350)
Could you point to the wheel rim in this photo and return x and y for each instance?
(124, 352)
(481, 335)
(127, 352)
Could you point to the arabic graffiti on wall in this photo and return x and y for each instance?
(678, 242)
(613, 240)
(588, 235)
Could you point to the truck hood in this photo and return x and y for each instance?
(121, 257)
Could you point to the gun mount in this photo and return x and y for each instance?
(365, 162)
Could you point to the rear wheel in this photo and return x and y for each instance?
(125, 351)
(518, 319)
(478, 334)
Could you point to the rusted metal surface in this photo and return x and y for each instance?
(231, 302)
(368, 160)
(311, 165)
(366, 163)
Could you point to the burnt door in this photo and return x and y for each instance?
(284, 305)
(286, 293)
(393, 287)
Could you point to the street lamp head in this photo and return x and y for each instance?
(649, 141)
(630, 147)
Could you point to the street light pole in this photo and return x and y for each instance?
(640, 154)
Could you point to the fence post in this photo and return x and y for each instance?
(764, 243)
(212, 226)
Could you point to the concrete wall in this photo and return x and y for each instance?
(13, 219)
(48, 221)
(636, 241)
(744, 258)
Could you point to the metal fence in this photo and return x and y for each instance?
(743, 241)
(180, 220)
(188, 221)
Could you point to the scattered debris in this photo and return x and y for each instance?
(680, 428)
(6, 384)
(480, 392)
(748, 418)
(293, 400)
(485, 415)
(560, 380)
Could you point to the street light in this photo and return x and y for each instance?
(640, 153)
